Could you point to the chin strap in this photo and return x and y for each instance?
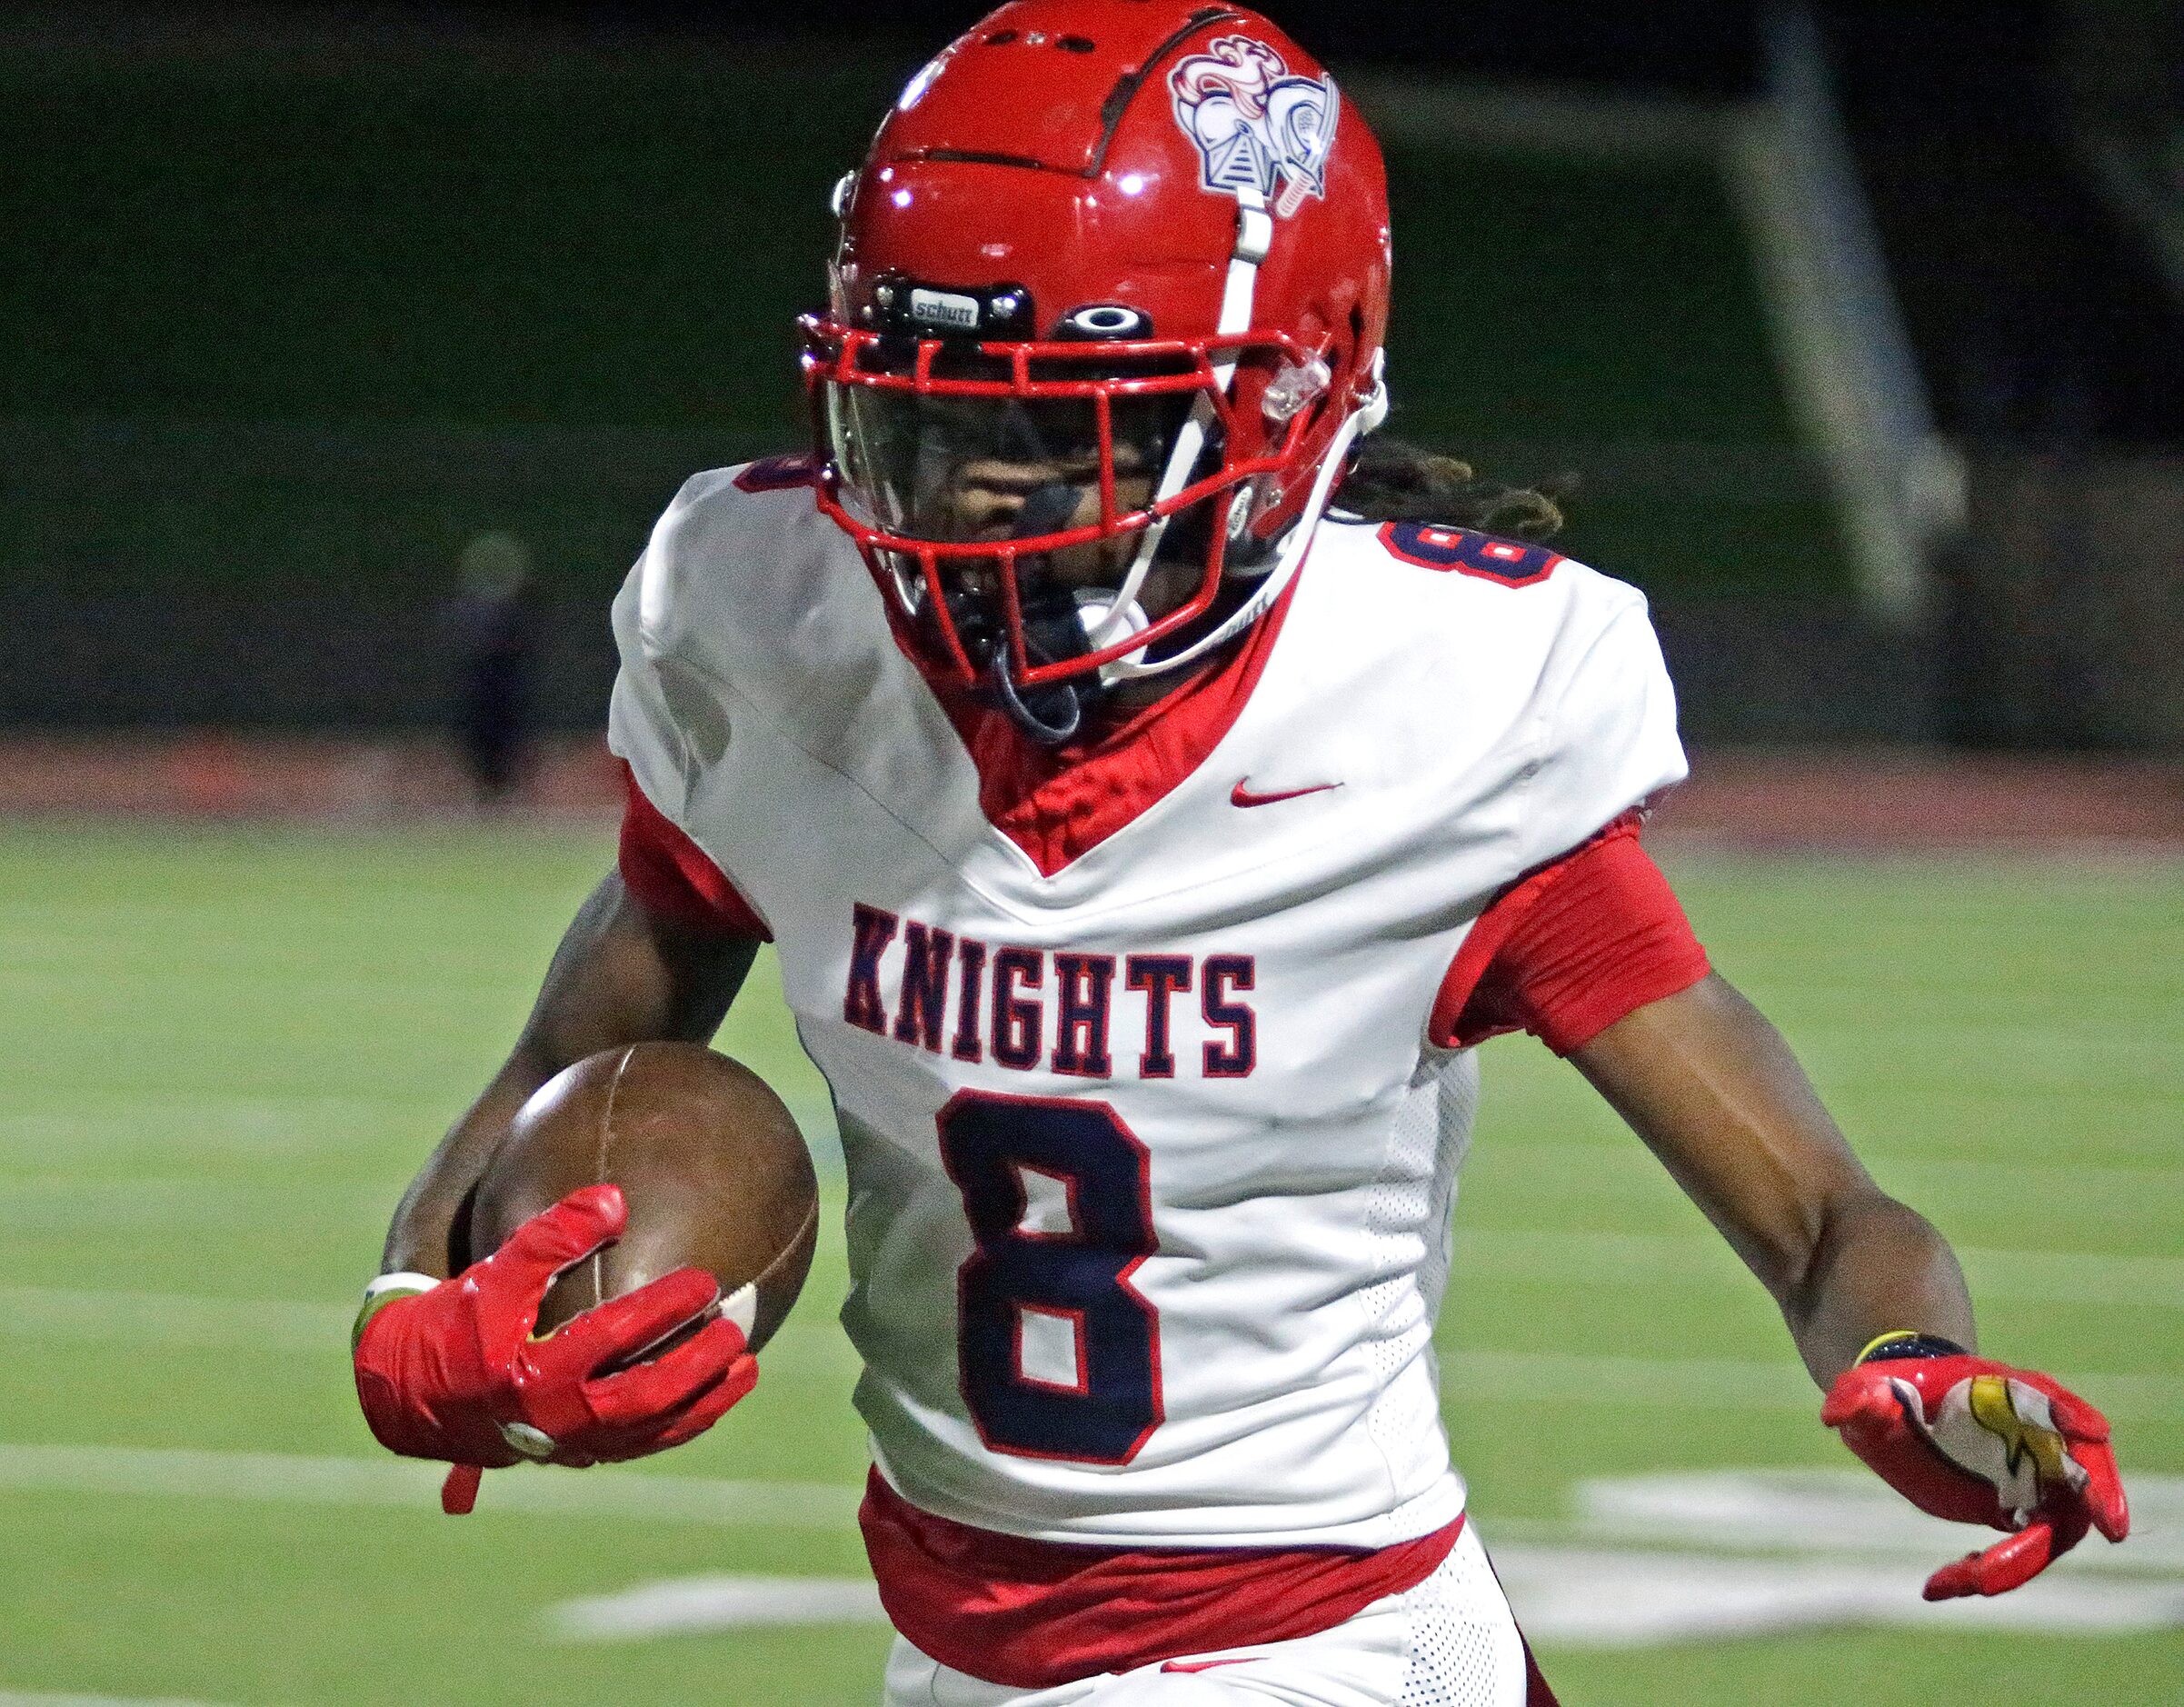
(1054, 629)
(1053, 712)
(1049, 715)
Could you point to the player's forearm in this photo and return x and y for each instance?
(622, 976)
(427, 1234)
(1715, 1092)
(1878, 1267)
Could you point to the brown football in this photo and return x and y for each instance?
(710, 1162)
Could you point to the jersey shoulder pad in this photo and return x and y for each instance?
(1502, 599)
(764, 495)
(1451, 622)
(695, 622)
(1452, 644)
(1572, 599)
(708, 567)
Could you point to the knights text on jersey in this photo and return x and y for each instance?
(1150, 1152)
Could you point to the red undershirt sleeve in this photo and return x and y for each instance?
(673, 876)
(1569, 949)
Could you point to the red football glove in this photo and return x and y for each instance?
(1967, 1438)
(454, 1372)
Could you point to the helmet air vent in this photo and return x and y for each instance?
(977, 157)
(1127, 85)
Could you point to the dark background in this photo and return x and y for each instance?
(294, 301)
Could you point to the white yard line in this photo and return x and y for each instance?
(1576, 1596)
(1855, 1554)
(682, 1605)
(1674, 1557)
(289, 1479)
(1618, 1598)
(1565, 1378)
(18, 1698)
(2033, 1184)
(1843, 1511)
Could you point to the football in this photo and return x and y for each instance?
(711, 1166)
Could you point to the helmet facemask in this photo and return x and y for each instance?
(1049, 518)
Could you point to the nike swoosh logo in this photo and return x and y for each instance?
(1207, 1665)
(1241, 796)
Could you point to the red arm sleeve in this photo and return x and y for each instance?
(673, 876)
(1565, 952)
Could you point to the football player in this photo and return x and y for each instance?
(1152, 811)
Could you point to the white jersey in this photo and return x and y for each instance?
(1151, 1154)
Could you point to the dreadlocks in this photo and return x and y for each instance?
(1390, 480)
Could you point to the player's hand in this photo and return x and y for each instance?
(1966, 1438)
(453, 1373)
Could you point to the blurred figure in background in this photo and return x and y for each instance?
(493, 626)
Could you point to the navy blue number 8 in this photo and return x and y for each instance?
(1080, 1274)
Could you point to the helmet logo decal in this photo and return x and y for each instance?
(1107, 320)
(949, 309)
(1257, 127)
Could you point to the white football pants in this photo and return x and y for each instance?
(1450, 1642)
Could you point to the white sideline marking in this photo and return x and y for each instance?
(18, 1698)
(1591, 1597)
(1581, 1596)
(295, 1479)
(1575, 1584)
(1845, 1512)
(686, 1604)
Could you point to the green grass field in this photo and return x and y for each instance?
(225, 1050)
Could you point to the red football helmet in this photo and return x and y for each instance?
(1105, 319)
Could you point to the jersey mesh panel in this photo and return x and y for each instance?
(1408, 1215)
(1452, 1646)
